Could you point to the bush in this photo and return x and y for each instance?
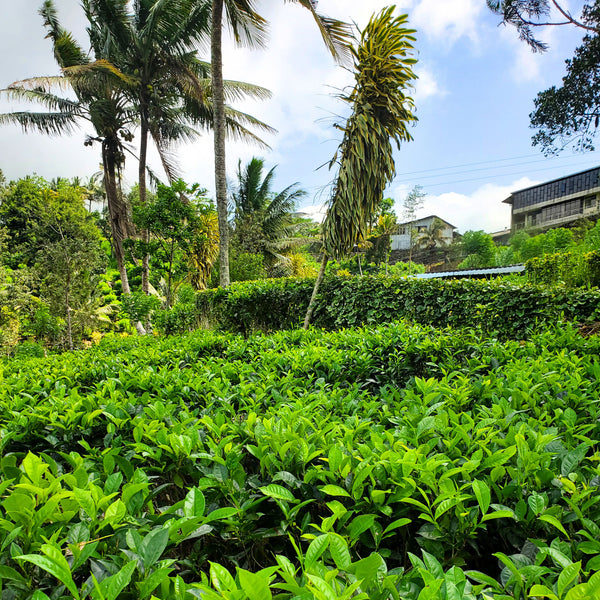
(29, 350)
(571, 269)
(508, 309)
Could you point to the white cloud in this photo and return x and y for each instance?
(427, 85)
(482, 209)
(449, 20)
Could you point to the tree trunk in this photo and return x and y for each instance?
(410, 249)
(219, 139)
(68, 307)
(313, 298)
(119, 221)
(142, 188)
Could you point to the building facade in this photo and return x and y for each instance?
(556, 203)
(413, 229)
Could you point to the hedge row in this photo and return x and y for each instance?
(507, 309)
(569, 268)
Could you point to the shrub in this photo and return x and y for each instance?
(571, 269)
(508, 309)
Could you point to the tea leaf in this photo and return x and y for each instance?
(254, 586)
(339, 551)
(194, 503)
(334, 490)
(112, 586)
(153, 545)
(541, 591)
(55, 564)
(221, 578)
(483, 495)
(554, 522)
(567, 576)
(315, 550)
(277, 492)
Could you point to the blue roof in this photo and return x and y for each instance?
(490, 272)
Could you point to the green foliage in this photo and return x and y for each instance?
(380, 463)
(180, 245)
(245, 266)
(350, 266)
(571, 269)
(139, 307)
(263, 221)
(506, 309)
(381, 113)
(479, 248)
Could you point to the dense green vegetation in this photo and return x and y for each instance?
(480, 251)
(395, 462)
(499, 308)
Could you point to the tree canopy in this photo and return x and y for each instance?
(567, 114)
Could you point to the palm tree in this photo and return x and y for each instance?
(433, 237)
(156, 45)
(248, 27)
(262, 218)
(387, 225)
(100, 99)
(381, 112)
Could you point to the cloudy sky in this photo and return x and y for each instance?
(472, 144)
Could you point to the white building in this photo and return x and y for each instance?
(413, 229)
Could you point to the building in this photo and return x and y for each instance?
(501, 237)
(556, 203)
(413, 229)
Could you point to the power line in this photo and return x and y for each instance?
(467, 165)
(531, 162)
(493, 176)
(493, 161)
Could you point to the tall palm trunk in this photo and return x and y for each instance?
(119, 219)
(219, 139)
(142, 189)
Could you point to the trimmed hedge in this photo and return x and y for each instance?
(509, 310)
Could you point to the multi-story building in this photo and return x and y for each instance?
(556, 203)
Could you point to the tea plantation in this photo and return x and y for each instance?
(397, 462)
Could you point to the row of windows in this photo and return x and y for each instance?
(558, 211)
(556, 189)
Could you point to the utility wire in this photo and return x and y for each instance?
(447, 183)
(509, 166)
(515, 158)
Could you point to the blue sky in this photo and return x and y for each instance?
(472, 144)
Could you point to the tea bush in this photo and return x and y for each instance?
(381, 463)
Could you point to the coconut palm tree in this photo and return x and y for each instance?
(433, 237)
(100, 91)
(381, 112)
(262, 218)
(155, 43)
(248, 28)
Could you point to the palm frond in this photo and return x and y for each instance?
(51, 101)
(45, 84)
(248, 27)
(240, 90)
(336, 34)
(98, 74)
(48, 123)
(66, 50)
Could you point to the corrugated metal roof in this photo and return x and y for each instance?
(491, 272)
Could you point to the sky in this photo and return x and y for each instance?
(471, 145)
